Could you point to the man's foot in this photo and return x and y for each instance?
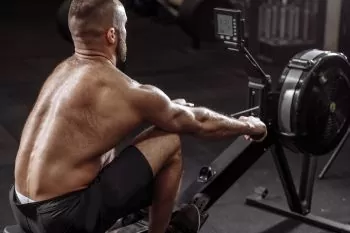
(185, 220)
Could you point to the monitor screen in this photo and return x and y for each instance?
(225, 24)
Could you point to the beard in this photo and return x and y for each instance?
(121, 55)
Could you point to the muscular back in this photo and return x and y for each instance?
(71, 126)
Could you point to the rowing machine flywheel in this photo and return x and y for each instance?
(314, 102)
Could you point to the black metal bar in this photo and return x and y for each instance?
(286, 178)
(245, 111)
(229, 166)
(334, 155)
(256, 64)
(304, 177)
(259, 82)
(258, 94)
(307, 180)
(266, 104)
(309, 219)
(252, 97)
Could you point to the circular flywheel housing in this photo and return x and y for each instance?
(314, 104)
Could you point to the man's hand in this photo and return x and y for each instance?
(183, 102)
(258, 128)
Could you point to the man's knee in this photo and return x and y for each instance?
(159, 147)
(157, 137)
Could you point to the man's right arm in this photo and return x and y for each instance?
(157, 108)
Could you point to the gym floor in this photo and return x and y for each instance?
(159, 55)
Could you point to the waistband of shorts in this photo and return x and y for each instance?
(38, 203)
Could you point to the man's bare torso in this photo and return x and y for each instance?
(70, 127)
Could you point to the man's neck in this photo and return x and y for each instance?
(92, 49)
(95, 54)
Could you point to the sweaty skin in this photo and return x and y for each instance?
(71, 126)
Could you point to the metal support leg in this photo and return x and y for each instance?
(334, 155)
(286, 179)
(299, 211)
(307, 180)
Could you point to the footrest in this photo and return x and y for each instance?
(138, 227)
(13, 229)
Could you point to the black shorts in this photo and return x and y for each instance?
(124, 186)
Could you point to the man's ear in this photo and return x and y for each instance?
(111, 35)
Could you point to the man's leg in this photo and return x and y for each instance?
(163, 152)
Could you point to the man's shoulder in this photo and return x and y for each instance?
(111, 83)
(115, 79)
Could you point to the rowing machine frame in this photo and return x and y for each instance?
(215, 179)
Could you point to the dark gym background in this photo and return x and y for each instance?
(160, 54)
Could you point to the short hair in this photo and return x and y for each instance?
(93, 17)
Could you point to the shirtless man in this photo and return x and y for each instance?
(67, 178)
